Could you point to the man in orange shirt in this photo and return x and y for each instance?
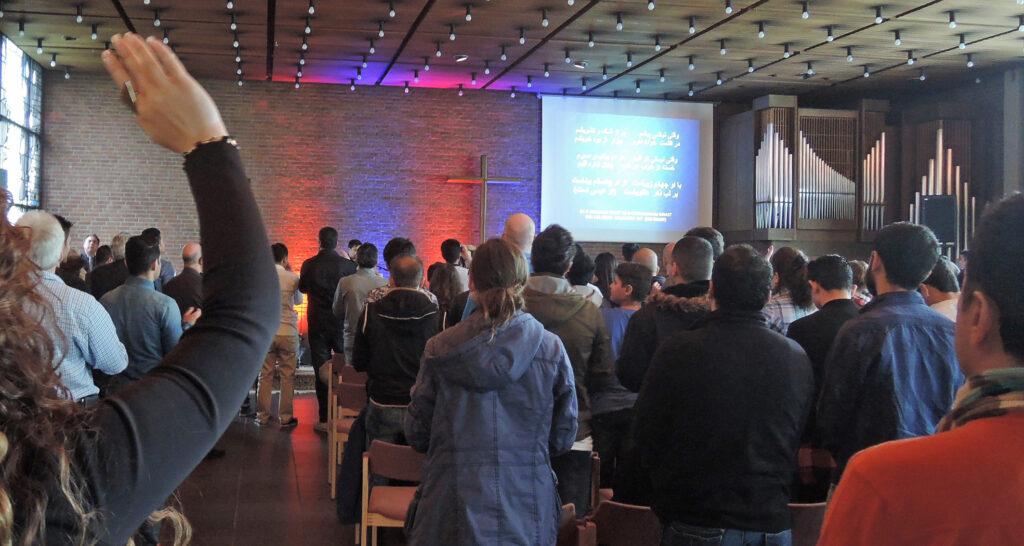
(965, 484)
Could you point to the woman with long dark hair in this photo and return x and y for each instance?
(445, 285)
(791, 292)
(77, 476)
(604, 273)
(494, 401)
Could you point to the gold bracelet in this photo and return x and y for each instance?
(225, 138)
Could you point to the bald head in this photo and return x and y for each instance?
(647, 258)
(519, 230)
(406, 271)
(192, 256)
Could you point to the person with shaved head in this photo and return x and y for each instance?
(187, 287)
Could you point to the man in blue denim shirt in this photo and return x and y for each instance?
(891, 372)
(147, 322)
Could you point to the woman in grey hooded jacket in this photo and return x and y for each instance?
(494, 400)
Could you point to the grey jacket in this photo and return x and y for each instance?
(490, 409)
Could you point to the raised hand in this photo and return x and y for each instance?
(170, 105)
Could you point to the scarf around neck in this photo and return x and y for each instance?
(990, 394)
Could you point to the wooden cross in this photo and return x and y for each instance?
(484, 179)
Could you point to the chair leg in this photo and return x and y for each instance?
(362, 534)
(358, 527)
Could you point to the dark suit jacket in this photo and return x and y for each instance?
(186, 289)
(318, 279)
(815, 333)
(107, 277)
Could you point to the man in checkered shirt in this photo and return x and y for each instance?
(83, 334)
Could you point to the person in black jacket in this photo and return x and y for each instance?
(719, 416)
(318, 279)
(389, 342)
(672, 310)
(831, 280)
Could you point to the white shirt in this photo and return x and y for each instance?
(947, 308)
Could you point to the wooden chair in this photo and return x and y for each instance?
(336, 363)
(575, 532)
(351, 400)
(621, 524)
(387, 505)
(807, 521)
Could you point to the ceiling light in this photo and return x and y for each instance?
(718, 78)
(67, 73)
(312, 8)
(547, 72)
(298, 71)
(650, 5)
(373, 47)
(568, 57)
(629, 60)
(472, 78)
(544, 18)
(760, 30)
(238, 55)
(898, 40)
(922, 77)
(39, 46)
(437, 53)
(604, 72)
(406, 88)
(691, 66)
(849, 54)
(513, 93)
(867, 71)
(618, 21)
(352, 85)
(661, 75)
(952, 19)
(239, 69)
(451, 32)
(364, 61)
(461, 58)
(831, 36)
(240, 82)
(689, 90)
(504, 54)
(786, 53)
(1020, 23)
(963, 42)
(305, 43)
(380, 29)
(235, 42)
(156, 17)
(723, 50)
(910, 57)
(53, 59)
(94, 35)
(234, 22)
(469, 13)
(78, 14)
(529, 81)
(590, 39)
(426, 64)
(583, 85)
(296, 82)
(522, 36)
(391, 9)
(416, 76)
(750, 65)
(728, 7)
(460, 89)
(230, 5)
(167, 36)
(638, 86)
(302, 59)
(571, 2)
(581, 64)
(805, 13)
(878, 15)
(21, 28)
(693, 26)
(657, 43)
(810, 69)
(970, 60)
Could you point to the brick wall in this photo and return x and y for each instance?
(371, 163)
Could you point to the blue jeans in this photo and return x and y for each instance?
(681, 534)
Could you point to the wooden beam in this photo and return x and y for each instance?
(271, 28)
(405, 41)
(124, 15)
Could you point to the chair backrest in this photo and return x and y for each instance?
(395, 461)
(352, 397)
(807, 521)
(338, 361)
(350, 375)
(625, 524)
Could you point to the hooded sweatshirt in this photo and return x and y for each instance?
(580, 326)
(389, 342)
(490, 408)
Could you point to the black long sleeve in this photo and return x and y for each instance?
(145, 441)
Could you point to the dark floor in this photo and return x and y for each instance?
(270, 488)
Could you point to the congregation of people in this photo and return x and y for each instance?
(716, 387)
